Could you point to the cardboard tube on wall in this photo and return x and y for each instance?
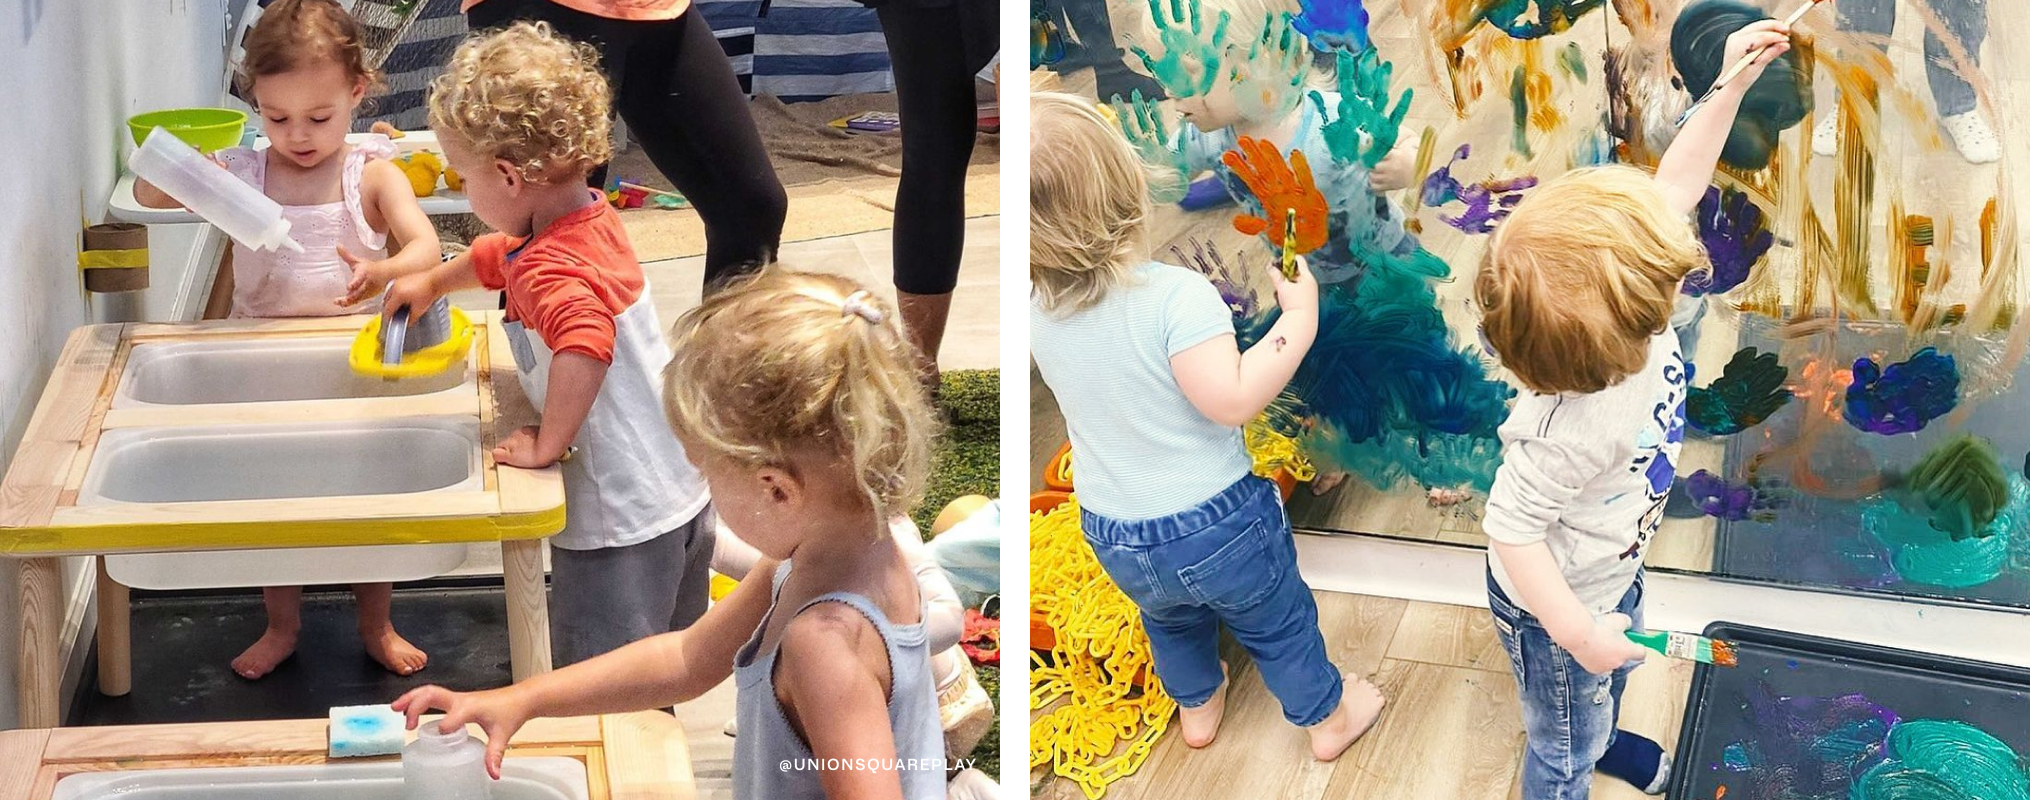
(115, 257)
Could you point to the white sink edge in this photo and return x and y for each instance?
(565, 776)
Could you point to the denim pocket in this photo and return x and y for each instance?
(1237, 576)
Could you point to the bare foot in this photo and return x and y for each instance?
(1201, 724)
(265, 654)
(392, 651)
(1326, 482)
(1359, 707)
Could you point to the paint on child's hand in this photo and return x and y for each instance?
(1746, 393)
(1736, 237)
(1282, 189)
(1190, 62)
(1334, 24)
(1269, 83)
(1365, 128)
(1487, 202)
(1903, 397)
(1280, 343)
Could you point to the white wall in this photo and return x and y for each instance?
(71, 72)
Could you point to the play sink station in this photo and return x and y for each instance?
(217, 454)
(638, 756)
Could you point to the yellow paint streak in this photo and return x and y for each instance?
(1544, 114)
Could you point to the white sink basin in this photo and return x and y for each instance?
(398, 458)
(258, 371)
(547, 778)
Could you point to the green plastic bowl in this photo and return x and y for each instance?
(207, 129)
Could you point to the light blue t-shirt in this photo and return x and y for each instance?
(1140, 449)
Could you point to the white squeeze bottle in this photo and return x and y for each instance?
(226, 202)
(444, 766)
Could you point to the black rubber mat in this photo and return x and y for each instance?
(184, 645)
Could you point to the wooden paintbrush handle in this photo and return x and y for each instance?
(1742, 65)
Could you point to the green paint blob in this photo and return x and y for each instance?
(1518, 94)
(1962, 484)
(1573, 60)
(1944, 760)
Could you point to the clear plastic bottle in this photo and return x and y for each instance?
(444, 766)
(226, 202)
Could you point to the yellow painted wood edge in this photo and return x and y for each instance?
(125, 538)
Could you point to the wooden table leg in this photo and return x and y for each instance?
(116, 654)
(40, 671)
(528, 607)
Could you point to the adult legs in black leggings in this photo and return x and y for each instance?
(678, 94)
(935, 53)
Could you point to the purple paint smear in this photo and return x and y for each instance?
(1736, 239)
(1807, 747)
(1487, 202)
(1715, 497)
(1905, 396)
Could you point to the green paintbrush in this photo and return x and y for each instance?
(1686, 646)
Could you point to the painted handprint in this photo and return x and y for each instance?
(1141, 122)
(1758, 499)
(1365, 128)
(1232, 288)
(1281, 189)
(1190, 62)
(1269, 83)
(1905, 396)
(1553, 16)
(1742, 397)
(1962, 484)
(1487, 202)
(1333, 24)
(1736, 238)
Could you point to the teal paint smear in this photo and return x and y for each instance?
(1398, 457)
(1518, 95)
(1923, 554)
(1553, 16)
(1944, 760)
(1574, 61)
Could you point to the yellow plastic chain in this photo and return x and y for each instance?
(1114, 708)
(1272, 451)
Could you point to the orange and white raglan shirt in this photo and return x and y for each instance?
(576, 287)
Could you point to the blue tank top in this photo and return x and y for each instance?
(767, 743)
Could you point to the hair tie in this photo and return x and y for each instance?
(856, 303)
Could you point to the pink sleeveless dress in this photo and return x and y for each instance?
(284, 284)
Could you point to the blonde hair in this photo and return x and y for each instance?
(1578, 279)
(530, 97)
(785, 361)
(1088, 202)
(292, 34)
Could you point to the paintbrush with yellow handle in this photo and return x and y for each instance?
(1290, 244)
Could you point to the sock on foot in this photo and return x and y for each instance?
(1637, 760)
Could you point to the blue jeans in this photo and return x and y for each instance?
(1569, 714)
(1230, 560)
(1967, 20)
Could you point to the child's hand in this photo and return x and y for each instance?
(1395, 170)
(524, 449)
(1770, 37)
(1607, 647)
(414, 292)
(1298, 296)
(368, 278)
(498, 712)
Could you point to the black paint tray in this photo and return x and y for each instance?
(1914, 685)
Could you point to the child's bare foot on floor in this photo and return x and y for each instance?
(1359, 707)
(1326, 482)
(265, 654)
(1201, 724)
(394, 652)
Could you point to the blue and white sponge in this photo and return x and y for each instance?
(375, 730)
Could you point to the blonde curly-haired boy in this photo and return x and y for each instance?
(522, 114)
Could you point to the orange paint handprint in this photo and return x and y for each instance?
(1281, 188)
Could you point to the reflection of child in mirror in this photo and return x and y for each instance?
(1967, 21)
